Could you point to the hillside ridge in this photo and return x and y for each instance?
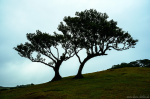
(112, 83)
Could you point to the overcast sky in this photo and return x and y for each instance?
(18, 17)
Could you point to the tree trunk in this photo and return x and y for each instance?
(56, 76)
(56, 70)
(79, 74)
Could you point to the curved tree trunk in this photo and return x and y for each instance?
(79, 74)
(56, 70)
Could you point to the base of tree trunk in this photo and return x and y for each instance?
(78, 76)
(56, 78)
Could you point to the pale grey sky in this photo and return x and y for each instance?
(18, 17)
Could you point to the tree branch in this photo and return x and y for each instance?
(48, 55)
(101, 46)
(78, 56)
(107, 47)
(96, 48)
(57, 51)
(41, 62)
(52, 54)
(73, 54)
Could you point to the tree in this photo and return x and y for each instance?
(90, 30)
(137, 63)
(43, 44)
(143, 63)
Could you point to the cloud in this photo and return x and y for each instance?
(25, 72)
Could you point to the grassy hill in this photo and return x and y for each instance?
(129, 82)
(4, 88)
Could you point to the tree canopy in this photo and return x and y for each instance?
(42, 44)
(92, 31)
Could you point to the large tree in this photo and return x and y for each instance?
(92, 31)
(55, 47)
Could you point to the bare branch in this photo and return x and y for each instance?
(33, 60)
(70, 56)
(47, 55)
(78, 56)
(95, 48)
(52, 54)
(57, 51)
(101, 46)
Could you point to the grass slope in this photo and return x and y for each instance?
(110, 84)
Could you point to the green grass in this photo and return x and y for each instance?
(110, 84)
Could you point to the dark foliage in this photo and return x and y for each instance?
(92, 31)
(22, 86)
(42, 44)
(137, 63)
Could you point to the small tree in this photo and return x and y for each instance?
(42, 44)
(90, 30)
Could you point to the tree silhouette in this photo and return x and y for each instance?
(43, 44)
(141, 63)
(90, 30)
(137, 63)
